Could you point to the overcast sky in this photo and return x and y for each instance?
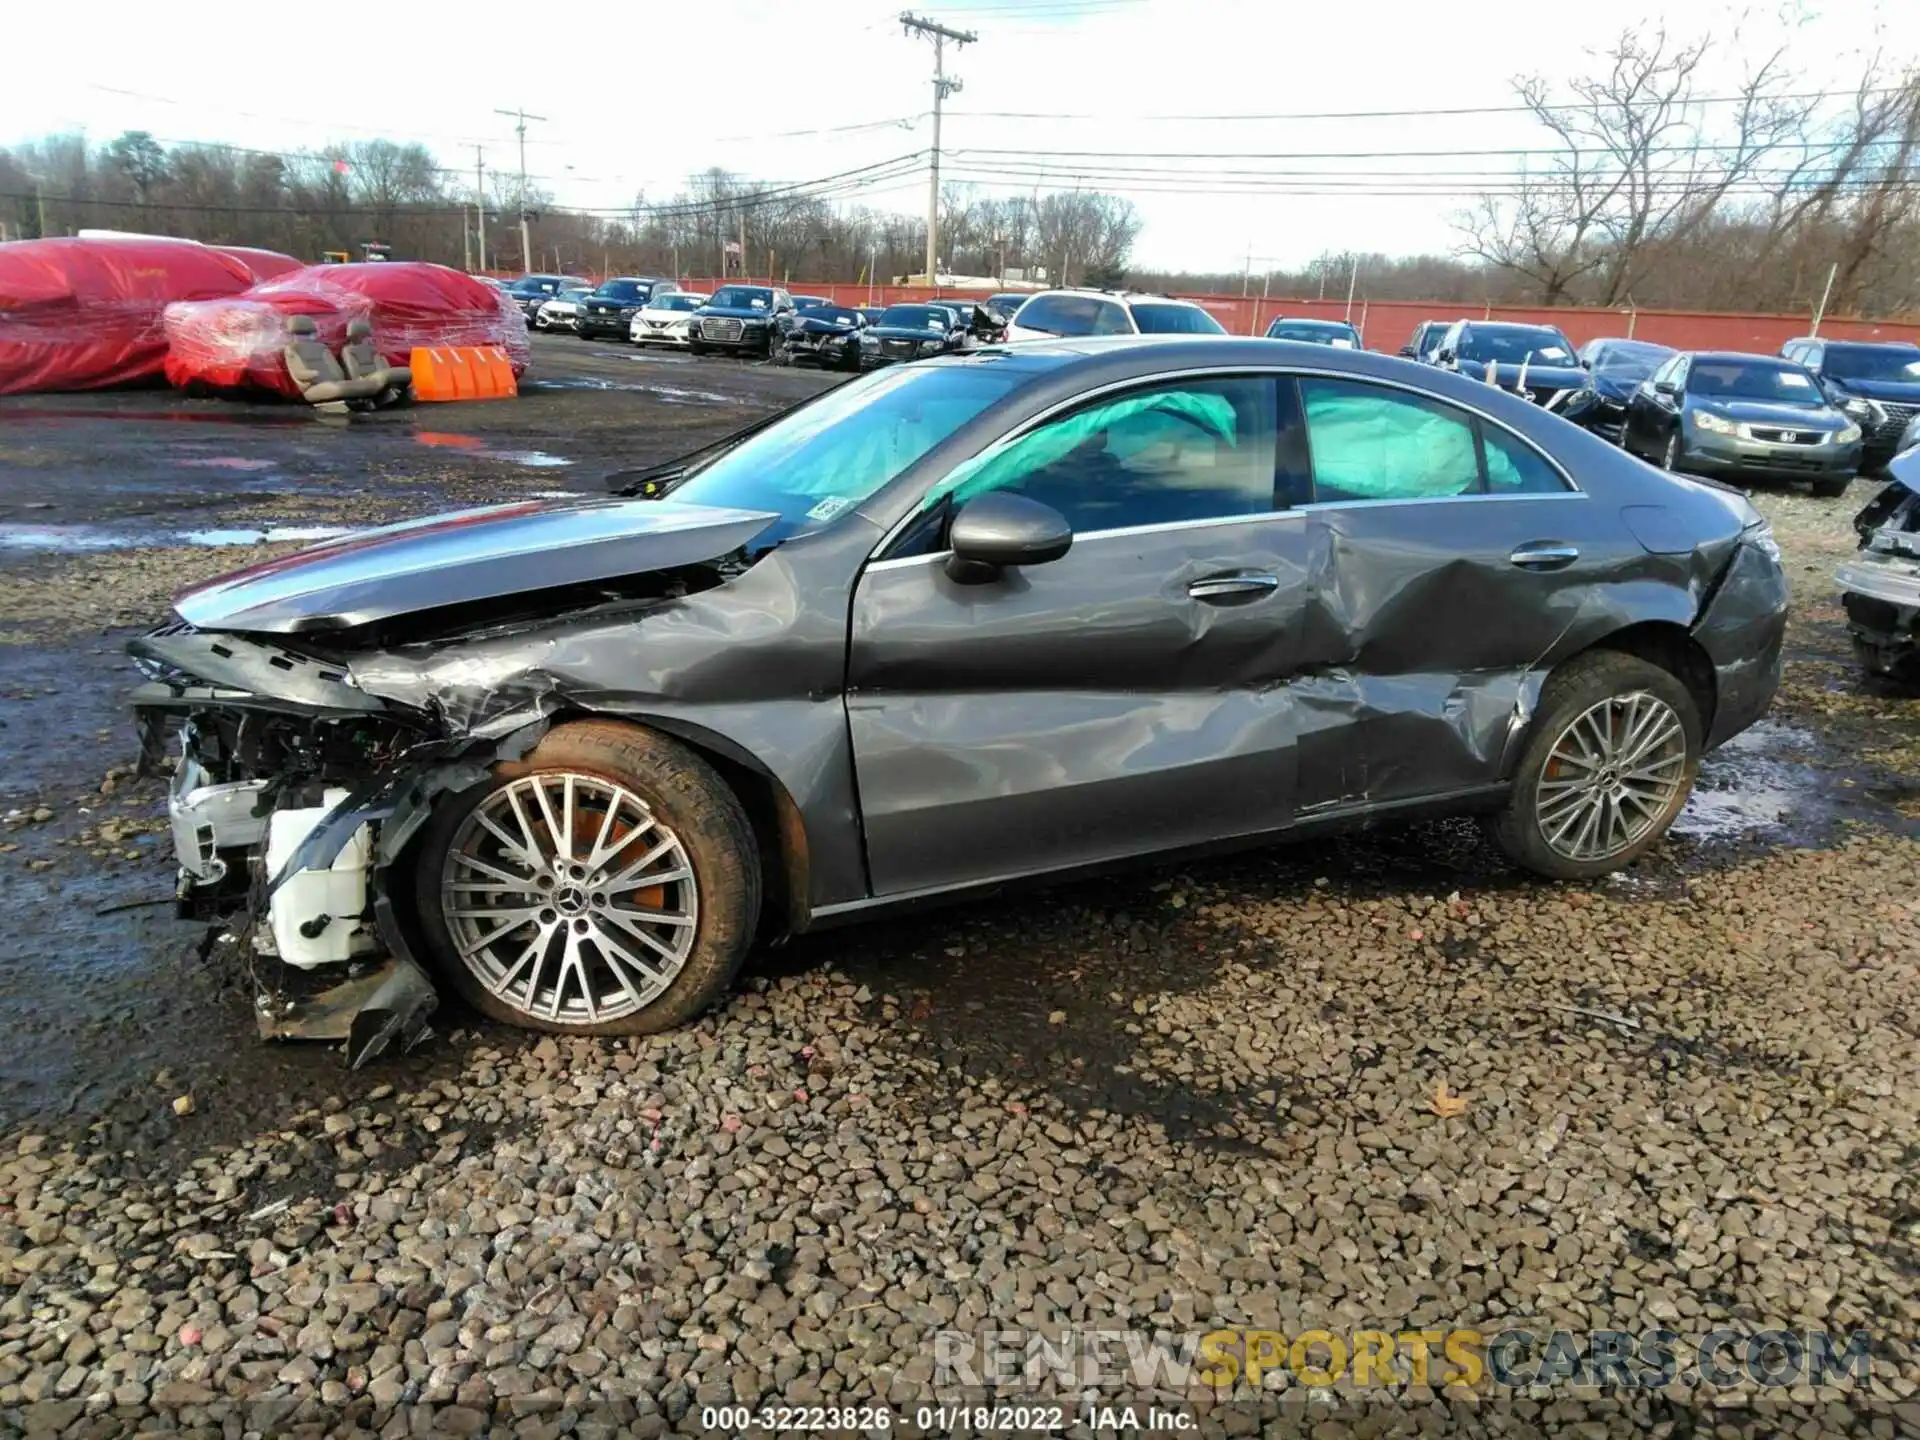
(638, 97)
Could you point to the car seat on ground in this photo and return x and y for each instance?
(323, 384)
(363, 362)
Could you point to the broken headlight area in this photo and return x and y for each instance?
(287, 781)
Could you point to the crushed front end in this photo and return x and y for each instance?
(1880, 586)
(285, 778)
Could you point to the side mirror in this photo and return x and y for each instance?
(1000, 530)
(1410, 352)
(1665, 387)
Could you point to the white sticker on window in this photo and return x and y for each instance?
(1789, 380)
(829, 507)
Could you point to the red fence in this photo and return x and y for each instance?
(1387, 324)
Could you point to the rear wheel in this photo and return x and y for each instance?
(608, 884)
(1609, 764)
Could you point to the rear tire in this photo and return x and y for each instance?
(607, 884)
(1609, 763)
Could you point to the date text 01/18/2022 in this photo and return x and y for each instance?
(940, 1419)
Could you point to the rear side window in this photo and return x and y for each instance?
(1075, 315)
(1372, 443)
(1375, 444)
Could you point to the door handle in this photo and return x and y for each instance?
(1544, 555)
(1226, 588)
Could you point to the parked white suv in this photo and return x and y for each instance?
(1054, 313)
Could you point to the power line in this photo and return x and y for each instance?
(1419, 114)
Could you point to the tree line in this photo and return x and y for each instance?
(1648, 192)
(344, 196)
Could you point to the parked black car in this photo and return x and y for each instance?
(1337, 333)
(823, 335)
(1425, 340)
(610, 309)
(530, 292)
(741, 318)
(908, 332)
(1725, 413)
(1875, 384)
(1536, 362)
(1615, 370)
(1017, 613)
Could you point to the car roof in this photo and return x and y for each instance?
(1310, 320)
(1717, 355)
(1855, 344)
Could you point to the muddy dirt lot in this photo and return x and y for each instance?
(1186, 1098)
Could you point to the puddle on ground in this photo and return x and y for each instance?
(226, 462)
(1754, 785)
(77, 539)
(672, 394)
(474, 445)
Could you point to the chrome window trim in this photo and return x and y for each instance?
(900, 562)
(1215, 372)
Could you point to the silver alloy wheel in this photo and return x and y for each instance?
(1611, 776)
(568, 899)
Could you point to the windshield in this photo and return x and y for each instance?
(1510, 346)
(915, 317)
(1630, 362)
(741, 297)
(1314, 332)
(1898, 363)
(1782, 383)
(622, 290)
(675, 302)
(833, 315)
(1175, 320)
(830, 455)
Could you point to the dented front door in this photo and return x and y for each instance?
(1126, 698)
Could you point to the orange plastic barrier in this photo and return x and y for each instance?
(462, 372)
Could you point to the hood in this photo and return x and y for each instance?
(469, 555)
(1615, 385)
(1907, 392)
(808, 325)
(904, 332)
(1815, 416)
(735, 312)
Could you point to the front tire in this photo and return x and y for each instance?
(1608, 765)
(694, 347)
(1831, 487)
(607, 884)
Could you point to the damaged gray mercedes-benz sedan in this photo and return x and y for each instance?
(1013, 613)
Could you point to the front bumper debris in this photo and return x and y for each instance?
(382, 1009)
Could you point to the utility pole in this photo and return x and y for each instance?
(480, 201)
(1246, 276)
(520, 129)
(1819, 311)
(943, 86)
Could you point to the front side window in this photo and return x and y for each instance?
(1203, 450)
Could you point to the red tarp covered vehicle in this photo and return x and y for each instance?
(79, 313)
(239, 343)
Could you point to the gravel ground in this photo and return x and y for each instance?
(1378, 1083)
